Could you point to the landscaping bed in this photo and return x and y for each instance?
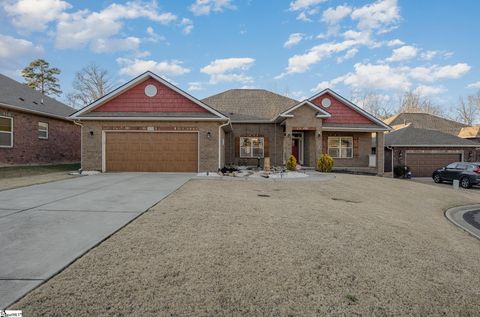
(356, 245)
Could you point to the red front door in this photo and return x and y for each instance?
(295, 147)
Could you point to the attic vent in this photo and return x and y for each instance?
(21, 98)
(35, 102)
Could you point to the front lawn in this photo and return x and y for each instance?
(354, 245)
(21, 171)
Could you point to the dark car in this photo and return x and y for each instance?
(467, 173)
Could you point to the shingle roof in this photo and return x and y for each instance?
(250, 104)
(425, 121)
(11, 91)
(411, 136)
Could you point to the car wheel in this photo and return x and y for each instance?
(465, 182)
(437, 179)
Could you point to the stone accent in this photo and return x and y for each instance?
(62, 145)
(92, 144)
(380, 148)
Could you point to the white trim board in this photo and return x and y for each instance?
(149, 119)
(135, 81)
(323, 113)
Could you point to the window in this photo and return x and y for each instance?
(6, 132)
(340, 147)
(251, 147)
(42, 130)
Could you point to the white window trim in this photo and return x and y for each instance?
(38, 130)
(251, 147)
(11, 134)
(339, 147)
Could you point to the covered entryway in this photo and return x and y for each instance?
(151, 151)
(424, 164)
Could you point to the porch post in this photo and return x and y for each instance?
(318, 141)
(380, 144)
(287, 142)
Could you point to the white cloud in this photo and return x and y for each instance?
(475, 85)
(424, 90)
(395, 42)
(34, 15)
(134, 67)
(403, 53)
(293, 39)
(435, 72)
(153, 36)
(350, 54)
(298, 5)
(229, 70)
(377, 16)
(368, 76)
(13, 49)
(205, 7)
(84, 28)
(187, 25)
(428, 55)
(112, 45)
(333, 16)
(195, 86)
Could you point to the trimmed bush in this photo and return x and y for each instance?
(325, 163)
(292, 163)
(400, 171)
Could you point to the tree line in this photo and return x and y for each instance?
(92, 82)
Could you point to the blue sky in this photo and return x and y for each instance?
(294, 47)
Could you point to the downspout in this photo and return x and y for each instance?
(81, 143)
(220, 142)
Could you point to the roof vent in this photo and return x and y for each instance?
(41, 101)
(35, 102)
(21, 98)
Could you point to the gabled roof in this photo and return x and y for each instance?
(425, 121)
(470, 132)
(250, 105)
(351, 105)
(82, 113)
(411, 136)
(321, 113)
(17, 96)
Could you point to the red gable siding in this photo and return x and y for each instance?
(340, 112)
(135, 100)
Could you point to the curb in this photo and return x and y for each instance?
(455, 215)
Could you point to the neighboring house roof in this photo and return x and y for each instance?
(412, 136)
(470, 132)
(425, 121)
(18, 96)
(250, 104)
(88, 111)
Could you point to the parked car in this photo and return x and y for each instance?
(467, 173)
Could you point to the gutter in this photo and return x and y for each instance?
(220, 142)
(39, 113)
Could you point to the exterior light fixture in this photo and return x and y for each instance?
(91, 132)
(209, 135)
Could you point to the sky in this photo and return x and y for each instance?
(295, 47)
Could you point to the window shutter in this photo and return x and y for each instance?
(237, 146)
(266, 147)
(355, 147)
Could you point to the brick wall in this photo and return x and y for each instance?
(92, 144)
(362, 148)
(62, 145)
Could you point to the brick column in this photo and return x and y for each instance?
(287, 142)
(318, 141)
(380, 144)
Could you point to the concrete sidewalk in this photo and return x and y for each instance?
(466, 217)
(45, 227)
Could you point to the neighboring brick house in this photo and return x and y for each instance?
(34, 128)
(148, 124)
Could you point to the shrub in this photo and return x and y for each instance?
(325, 163)
(292, 163)
(400, 171)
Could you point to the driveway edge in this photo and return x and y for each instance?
(94, 246)
(455, 215)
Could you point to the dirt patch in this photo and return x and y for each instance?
(217, 248)
(15, 182)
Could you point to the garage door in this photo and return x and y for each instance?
(423, 164)
(151, 152)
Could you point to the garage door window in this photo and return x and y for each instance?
(6, 132)
(340, 147)
(251, 147)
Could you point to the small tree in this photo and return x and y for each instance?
(90, 83)
(325, 163)
(292, 163)
(40, 76)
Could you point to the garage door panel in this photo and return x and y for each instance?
(151, 152)
(424, 164)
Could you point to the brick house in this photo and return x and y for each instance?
(34, 128)
(148, 124)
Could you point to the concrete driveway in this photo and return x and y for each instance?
(45, 227)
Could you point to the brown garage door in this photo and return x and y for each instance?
(423, 164)
(151, 152)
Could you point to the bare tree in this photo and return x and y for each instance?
(467, 111)
(375, 104)
(414, 102)
(91, 83)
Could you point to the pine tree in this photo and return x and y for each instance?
(39, 76)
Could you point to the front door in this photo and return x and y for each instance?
(297, 146)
